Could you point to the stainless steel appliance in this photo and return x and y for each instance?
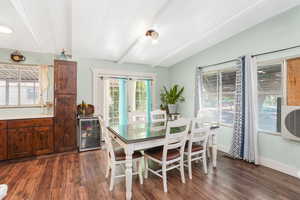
(88, 133)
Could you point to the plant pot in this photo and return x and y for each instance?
(172, 108)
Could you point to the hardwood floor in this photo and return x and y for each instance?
(81, 176)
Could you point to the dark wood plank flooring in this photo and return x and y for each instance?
(81, 176)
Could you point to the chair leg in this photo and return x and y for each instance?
(146, 167)
(164, 173)
(208, 152)
(182, 170)
(190, 165)
(107, 170)
(204, 163)
(112, 177)
(139, 162)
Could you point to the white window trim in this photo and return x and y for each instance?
(98, 72)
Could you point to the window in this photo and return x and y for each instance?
(269, 90)
(19, 85)
(113, 101)
(217, 96)
(140, 96)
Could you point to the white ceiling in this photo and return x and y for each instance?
(114, 29)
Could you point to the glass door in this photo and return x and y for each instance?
(124, 96)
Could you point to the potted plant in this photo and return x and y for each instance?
(171, 97)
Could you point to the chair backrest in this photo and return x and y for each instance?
(136, 117)
(199, 133)
(107, 139)
(158, 116)
(176, 135)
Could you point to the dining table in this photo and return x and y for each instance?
(142, 136)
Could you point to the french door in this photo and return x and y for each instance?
(123, 95)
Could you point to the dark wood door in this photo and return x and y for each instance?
(65, 77)
(3, 144)
(65, 123)
(19, 142)
(43, 140)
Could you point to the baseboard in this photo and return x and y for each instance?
(223, 148)
(273, 164)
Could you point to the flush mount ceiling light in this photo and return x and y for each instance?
(5, 29)
(152, 34)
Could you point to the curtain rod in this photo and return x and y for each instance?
(220, 63)
(126, 78)
(275, 51)
(255, 55)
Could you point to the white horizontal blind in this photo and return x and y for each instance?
(19, 85)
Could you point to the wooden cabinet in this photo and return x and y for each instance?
(19, 142)
(65, 123)
(293, 82)
(3, 140)
(42, 140)
(26, 137)
(65, 78)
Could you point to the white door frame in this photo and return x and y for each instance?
(98, 72)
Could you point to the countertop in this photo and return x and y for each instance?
(24, 116)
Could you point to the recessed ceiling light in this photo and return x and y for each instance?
(5, 29)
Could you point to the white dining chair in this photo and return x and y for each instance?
(206, 118)
(3, 191)
(158, 116)
(197, 145)
(168, 156)
(137, 117)
(118, 157)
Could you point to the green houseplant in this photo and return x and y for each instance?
(171, 97)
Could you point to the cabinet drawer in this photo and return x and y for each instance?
(22, 123)
(3, 125)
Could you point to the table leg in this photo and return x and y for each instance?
(214, 149)
(128, 173)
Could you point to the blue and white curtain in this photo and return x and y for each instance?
(244, 141)
(123, 117)
(149, 100)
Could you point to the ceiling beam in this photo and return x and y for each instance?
(161, 10)
(21, 11)
(215, 29)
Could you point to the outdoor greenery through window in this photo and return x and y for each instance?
(269, 90)
(113, 101)
(217, 96)
(19, 85)
(140, 96)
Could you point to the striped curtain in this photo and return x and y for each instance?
(244, 141)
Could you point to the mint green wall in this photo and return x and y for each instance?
(84, 75)
(278, 32)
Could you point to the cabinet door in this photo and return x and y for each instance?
(293, 82)
(42, 140)
(3, 144)
(65, 73)
(19, 142)
(65, 123)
